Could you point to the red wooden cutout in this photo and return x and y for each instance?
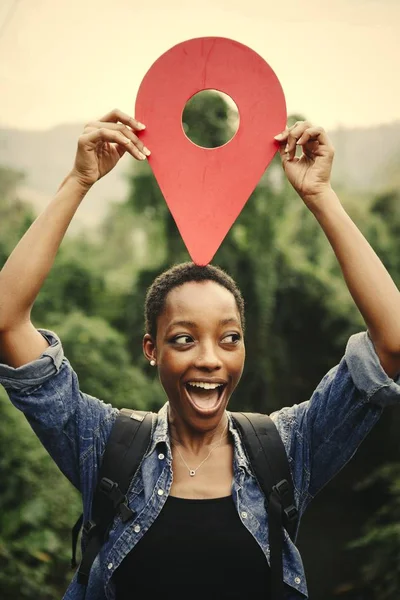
(206, 188)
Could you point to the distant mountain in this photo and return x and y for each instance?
(365, 156)
(362, 158)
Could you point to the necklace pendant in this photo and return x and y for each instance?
(192, 473)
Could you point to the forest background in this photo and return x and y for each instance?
(299, 317)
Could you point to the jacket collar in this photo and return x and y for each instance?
(160, 430)
(161, 435)
(240, 455)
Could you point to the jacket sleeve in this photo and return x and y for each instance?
(322, 434)
(72, 426)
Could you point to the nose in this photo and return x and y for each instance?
(208, 358)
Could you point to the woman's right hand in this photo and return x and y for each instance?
(103, 143)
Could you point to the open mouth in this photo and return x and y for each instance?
(205, 397)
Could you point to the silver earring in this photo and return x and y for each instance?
(152, 363)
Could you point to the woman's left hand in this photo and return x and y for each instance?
(310, 173)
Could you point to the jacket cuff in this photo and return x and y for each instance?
(39, 370)
(367, 372)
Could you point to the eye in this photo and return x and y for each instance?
(231, 338)
(182, 340)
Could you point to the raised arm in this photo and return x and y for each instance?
(100, 147)
(369, 283)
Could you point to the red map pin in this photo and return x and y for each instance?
(206, 188)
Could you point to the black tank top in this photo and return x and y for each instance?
(195, 549)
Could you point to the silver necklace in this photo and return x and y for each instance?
(192, 472)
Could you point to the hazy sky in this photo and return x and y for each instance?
(71, 60)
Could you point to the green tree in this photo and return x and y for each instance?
(380, 538)
(381, 535)
(15, 214)
(37, 509)
(99, 355)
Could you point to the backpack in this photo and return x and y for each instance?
(127, 445)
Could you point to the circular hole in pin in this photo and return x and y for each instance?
(210, 119)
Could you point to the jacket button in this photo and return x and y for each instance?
(244, 515)
(110, 566)
(136, 529)
(161, 456)
(160, 492)
(297, 580)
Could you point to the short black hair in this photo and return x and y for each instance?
(177, 276)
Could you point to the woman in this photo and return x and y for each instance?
(200, 527)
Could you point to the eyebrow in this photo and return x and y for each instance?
(183, 323)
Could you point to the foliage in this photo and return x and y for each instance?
(37, 509)
(381, 536)
(209, 123)
(15, 215)
(100, 357)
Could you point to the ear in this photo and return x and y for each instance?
(149, 347)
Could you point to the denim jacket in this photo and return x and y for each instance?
(319, 435)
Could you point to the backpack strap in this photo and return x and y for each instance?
(128, 443)
(268, 458)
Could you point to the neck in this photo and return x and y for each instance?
(195, 440)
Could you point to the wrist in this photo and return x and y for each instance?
(322, 202)
(76, 184)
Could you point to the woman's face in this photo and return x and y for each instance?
(199, 351)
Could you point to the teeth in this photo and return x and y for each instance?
(205, 385)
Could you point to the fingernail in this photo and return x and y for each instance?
(298, 142)
(142, 156)
(278, 137)
(127, 141)
(141, 126)
(146, 151)
(287, 148)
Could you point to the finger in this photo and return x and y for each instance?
(117, 115)
(309, 142)
(127, 131)
(104, 134)
(282, 137)
(295, 132)
(315, 142)
(315, 134)
(121, 150)
(284, 155)
(286, 161)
